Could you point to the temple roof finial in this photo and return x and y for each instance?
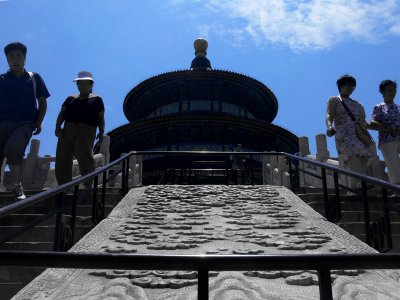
(200, 61)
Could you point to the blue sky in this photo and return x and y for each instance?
(297, 48)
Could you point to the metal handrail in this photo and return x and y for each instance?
(203, 264)
(39, 197)
(291, 156)
(62, 243)
(329, 205)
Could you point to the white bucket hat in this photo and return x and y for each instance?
(84, 75)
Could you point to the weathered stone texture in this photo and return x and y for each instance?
(213, 220)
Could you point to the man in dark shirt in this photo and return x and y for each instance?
(22, 109)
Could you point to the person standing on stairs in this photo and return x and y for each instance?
(23, 107)
(343, 115)
(81, 114)
(386, 120)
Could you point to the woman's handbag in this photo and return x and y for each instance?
(361, 132)
(363, 135)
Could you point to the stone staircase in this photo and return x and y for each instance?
(352, 219)
(41, 237)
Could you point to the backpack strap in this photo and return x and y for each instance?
(32, 76)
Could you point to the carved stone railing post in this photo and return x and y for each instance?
(135, 170)
(266, 169)
(51, 181)
(281, 174)
(304, 149)
(322, 147)
(2, 171)
(273, 162)
(118, 179)
(105, 149)
(376, 167)
(30, 163)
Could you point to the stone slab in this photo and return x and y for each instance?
(213, 220)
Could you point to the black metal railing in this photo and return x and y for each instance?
(203, 264)
(378, 232)
(65, 231)
(190, 167)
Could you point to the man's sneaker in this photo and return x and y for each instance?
(19, 193)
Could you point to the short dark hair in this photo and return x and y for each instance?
(15, 46)
(345, 79)
(386, 83)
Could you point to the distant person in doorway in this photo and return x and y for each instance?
(238, 164)
(81, 114)
(238, 160)
(342, 116)
(386, 120)
(23, 107)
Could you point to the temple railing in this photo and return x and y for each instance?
(378, 233)
(203, 264)
(96, 187)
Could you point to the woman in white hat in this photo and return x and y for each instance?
(81, 114)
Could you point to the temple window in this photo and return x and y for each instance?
(200, 105)
(230, 108)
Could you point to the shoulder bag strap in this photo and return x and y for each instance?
(33, 82)
(347, 109)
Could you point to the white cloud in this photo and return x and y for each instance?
(305, 25)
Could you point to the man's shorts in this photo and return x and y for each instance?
(14, 137)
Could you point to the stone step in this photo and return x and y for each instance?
(395, 242)
(42, 233)
(9, 289)
(82, 209)
(358, 216)
(22, 219)
(346, 206)
(19, 274)
(112, 198)
(356, 228)
(27, 246)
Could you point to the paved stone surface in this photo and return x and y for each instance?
(213, 220)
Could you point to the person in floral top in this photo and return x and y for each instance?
(386, 120)
(355, 155)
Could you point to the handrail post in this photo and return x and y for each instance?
(366, 212)
(95, 205)
(58, 227)
(123, 188)
(386, 214)
(289, 160)
(190, 169)
(103, 194)
(251, 169)
(127, 175)
(202, 283)
(325, 284)
(338, 208)
(164, 171)
(73, 214)
(326, 196)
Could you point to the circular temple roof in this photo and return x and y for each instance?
(200, 84)
(214, 129)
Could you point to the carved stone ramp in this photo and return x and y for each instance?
(213, 220)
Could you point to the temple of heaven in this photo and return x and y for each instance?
(200, 109)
